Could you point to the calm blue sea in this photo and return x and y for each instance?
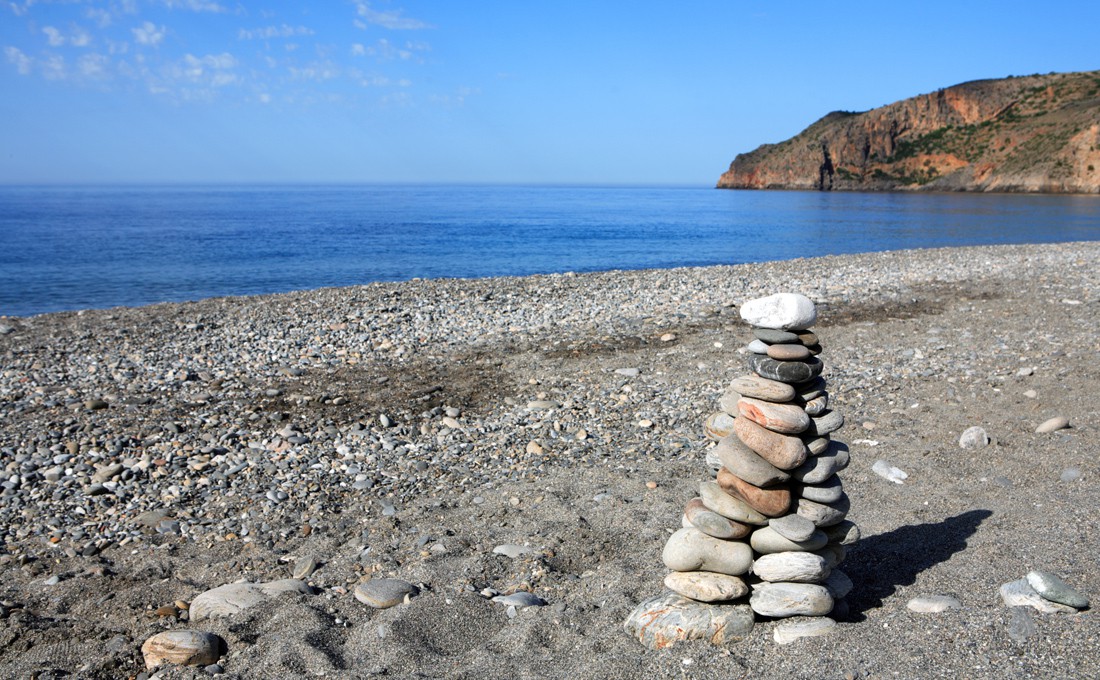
(66, 248)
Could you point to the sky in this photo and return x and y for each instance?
(449, 91)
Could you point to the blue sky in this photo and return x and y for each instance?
(448, 91)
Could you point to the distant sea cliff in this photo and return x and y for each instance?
(1033, 134)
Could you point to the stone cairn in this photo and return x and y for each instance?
(771, 524)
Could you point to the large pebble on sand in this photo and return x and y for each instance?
(382, 593)
(767, 540)
(782, 311)
(1021, 594)
(1054, 589)
(692, 550)
(706, 586)
(790, 631)
(796, 567)
(183, 648)
(781, 600)
(664, 620)
(233, 597)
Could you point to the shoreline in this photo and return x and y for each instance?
(387, 431)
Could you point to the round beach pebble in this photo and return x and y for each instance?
(783, 418)
(813, 626)
(828, 491)
(782, 311)
(793, 527)
(664, 620)
(692, 550)
(791, 372)
(823, 514)
(698, 515)
(183, 648)
(795, 567)
(1052, 588)
(780, 600)
(827, 422)
(382, 593)
(757, 347)
(767, 540)
(933, 604)
(788, 352)
(762, 388)
(783, 451)
(706, 586)
(816, 469)
(727, 506)
(770, 502)
(233, 597)
(1052, 425)
(775, 337)
(742, 461)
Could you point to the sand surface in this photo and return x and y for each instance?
(200, 403)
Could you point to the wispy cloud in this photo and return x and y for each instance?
(22, 62)
(77, 37)
(269, 32)
(148, 34)
(384, 50)
(195, 5)
(392, 19)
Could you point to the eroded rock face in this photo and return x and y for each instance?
(1032, 134)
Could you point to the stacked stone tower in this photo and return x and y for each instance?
(771, 523)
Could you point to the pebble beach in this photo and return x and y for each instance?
(474, 478)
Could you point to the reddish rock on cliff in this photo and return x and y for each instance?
(1030, 134)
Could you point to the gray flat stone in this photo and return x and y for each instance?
(706, 586)
(823, 514)
(826, 423)
(233, 597)
(816, 469)
(795, 567)
(767, 540)
(839, 584)
(1021, 594)
(790, 631)
(664, 620)
(793, 527)
(726, 505)
(828, 491)
(791, 372)
(520, 599)
(843, 533)
(742, 461)
(1052, 588)
(775, 337)
(692, 550)
(780, 600)
(382, 593)
(933, 604)
(762, 388)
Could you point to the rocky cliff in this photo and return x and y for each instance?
(1036, 133)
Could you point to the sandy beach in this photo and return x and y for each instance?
(408, 430)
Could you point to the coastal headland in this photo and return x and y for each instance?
(486, 437)
(1029, 134)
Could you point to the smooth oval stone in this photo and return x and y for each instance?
(771, 502)
(783, 418)
(1052, 425)
(382, 593)
(807, 338)
(233, 597)
(183, 648)
(780, 600)
(692, 550)
(782, 311)
(782, 451)
(973, 438)
(785, 371)
(1021, 594)
(828, 491)
(817, 405)
(520, 599)
(767, 540)
(843, 456)
(810, 390)
(663, 620)
(761, 388)
(830, 421)
(793, 567)
(747, 464)
(757, 347)
(726, 505)
(814, 349)
(788, 352)
(838, 583)
(706, 586)
(793, 527)
(816, 469)
(815, 444)
(1052, 588)
(796, 629)
(933, 604)
(775, 337)
(711, 523)
(843, 533)
(823, 514)
(718, 425)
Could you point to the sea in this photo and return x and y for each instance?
(83, 247)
